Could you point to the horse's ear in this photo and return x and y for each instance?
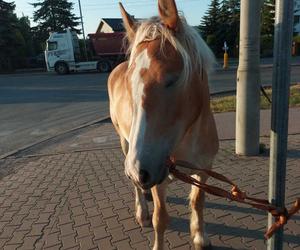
(168, 13)
(129, 23)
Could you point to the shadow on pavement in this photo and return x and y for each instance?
(294, 153)
(232, 208)
(183, 225)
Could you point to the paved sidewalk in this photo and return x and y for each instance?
(73, 194)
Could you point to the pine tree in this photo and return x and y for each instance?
(25, 30)
(268, 18)
(55, 15)
(10, 38)
(267, 27)
(210, 24)
(231, 15)
(223, 31)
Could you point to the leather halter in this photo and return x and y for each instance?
(281, 215)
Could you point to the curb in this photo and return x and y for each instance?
(28, 146)
(262, 66)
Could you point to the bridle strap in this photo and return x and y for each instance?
(281, 215)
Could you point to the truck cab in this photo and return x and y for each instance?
(61, 50)
(63, 55)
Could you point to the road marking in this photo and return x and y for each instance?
(6, 133)
(39, 132)
(100, 139)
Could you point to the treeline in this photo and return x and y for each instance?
(22, 45)
(16, 41)
(221, 23)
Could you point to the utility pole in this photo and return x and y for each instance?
(248, 80)
(280, 110)
(84, 42)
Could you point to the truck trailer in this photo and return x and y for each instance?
(63, 53)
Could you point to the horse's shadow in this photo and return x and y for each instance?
(182, 224)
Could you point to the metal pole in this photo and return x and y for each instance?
(248, 80)
(279, 120)
(84, 42)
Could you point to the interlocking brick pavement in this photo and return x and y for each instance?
(82, 200)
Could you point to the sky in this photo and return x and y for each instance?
(94, 10)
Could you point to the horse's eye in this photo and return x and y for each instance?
(169, 84)
(170, 80)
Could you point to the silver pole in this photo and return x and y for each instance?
(248, 80)
(84, 42)
(279, 121)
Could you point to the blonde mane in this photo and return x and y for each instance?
(195, 53)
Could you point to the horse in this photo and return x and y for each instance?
(160, 107)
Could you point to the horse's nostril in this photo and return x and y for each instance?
(144, 176)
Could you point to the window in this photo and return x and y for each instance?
(52, 46)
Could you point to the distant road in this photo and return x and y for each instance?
(38, 105)
(222, 80)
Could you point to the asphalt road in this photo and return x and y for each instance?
(36, 106)
(40, 105)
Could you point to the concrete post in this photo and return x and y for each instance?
(83, 33)
(248, 80)
(280, 111)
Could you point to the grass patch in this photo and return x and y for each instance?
(228, 103)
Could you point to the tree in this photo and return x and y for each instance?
(10, 37)
(231, 24)
(210, 24)
(55, 15)
(25, 30)
(268, 17)
(267, 27)
(221, 24)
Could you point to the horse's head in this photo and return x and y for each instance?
(167, 64)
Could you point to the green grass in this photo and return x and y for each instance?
(228, 103)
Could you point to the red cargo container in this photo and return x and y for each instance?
(108, 44)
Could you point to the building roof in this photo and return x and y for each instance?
(115, 23)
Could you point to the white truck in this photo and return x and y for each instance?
(63, 53)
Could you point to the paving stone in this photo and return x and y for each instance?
(7, 232)
(82, 231)
(69, 241)
(100, 232)
(105, 243)
(66, 229)
(29, 242)
(124, 244)
(52, 240)
(86, 243)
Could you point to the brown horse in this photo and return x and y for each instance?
(159, 105)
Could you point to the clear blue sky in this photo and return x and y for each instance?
(94, 10)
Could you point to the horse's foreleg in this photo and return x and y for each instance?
(197, 197)
(124, 145)
(141, 208)
(160, 217)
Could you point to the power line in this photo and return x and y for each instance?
(133, 3)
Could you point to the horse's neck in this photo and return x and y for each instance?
(200, 143)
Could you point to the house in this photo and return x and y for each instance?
(297, 17)
(110, 25)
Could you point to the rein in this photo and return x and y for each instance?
(281, 215)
